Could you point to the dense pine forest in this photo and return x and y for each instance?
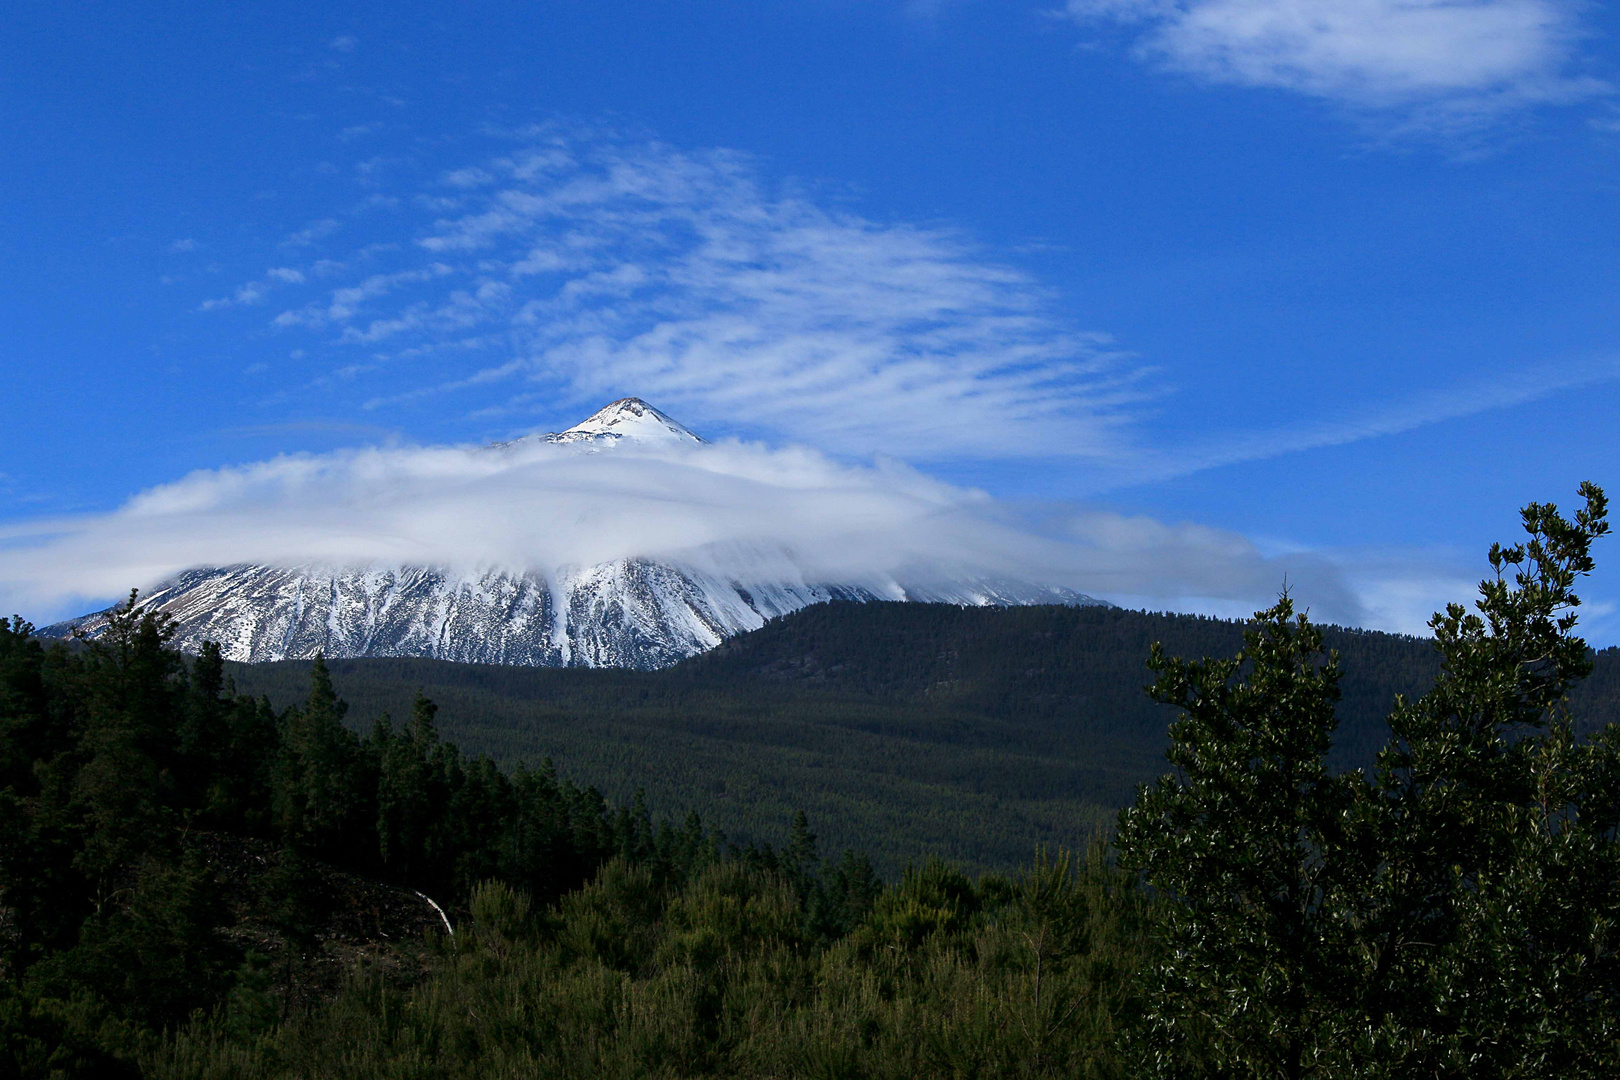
(907, 731)
(196, 884)
(1329, 881)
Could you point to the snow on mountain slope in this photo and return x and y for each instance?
(627, 418)
(626, 612)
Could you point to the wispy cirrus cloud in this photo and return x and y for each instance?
(568, 267)
(245, 295)
(313, 233)
(256, 292)
(1437, 63)
(571, 268)
(1414, 410)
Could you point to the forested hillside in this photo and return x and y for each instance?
(196, 882)
(908, 730)
(171, 850)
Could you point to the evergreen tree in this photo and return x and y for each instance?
(318, 799)
(203, 733)
(241, 793)
(26, 733)
(411, 795)
(124, 789)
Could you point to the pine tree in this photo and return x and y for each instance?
(26, 732)
(132, 684)
(202, 734)
(318, 802)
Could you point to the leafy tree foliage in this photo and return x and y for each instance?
(1454, 913)
(1247, 838)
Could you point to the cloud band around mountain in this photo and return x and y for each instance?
(740, 508)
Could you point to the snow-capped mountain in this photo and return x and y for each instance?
(628, 418)
(632, 612)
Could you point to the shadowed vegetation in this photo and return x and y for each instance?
(196, 882)
(909, 731)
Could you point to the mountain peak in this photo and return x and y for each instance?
(627, 418)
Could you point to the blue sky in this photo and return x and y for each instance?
(1332, 283)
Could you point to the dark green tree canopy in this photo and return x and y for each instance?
(1453, 914)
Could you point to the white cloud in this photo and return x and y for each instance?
(539, 506)
(246, 295)
(346, 302)
(1138, 561)
(1416, 409)
(1457, 59)
(1401, 590)
(575, 268)
(254, 292)
(625, 268)
(313, 233)
(468, 178)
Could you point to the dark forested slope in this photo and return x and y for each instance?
(903, 729)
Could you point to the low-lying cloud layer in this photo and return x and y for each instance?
(736, 506)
